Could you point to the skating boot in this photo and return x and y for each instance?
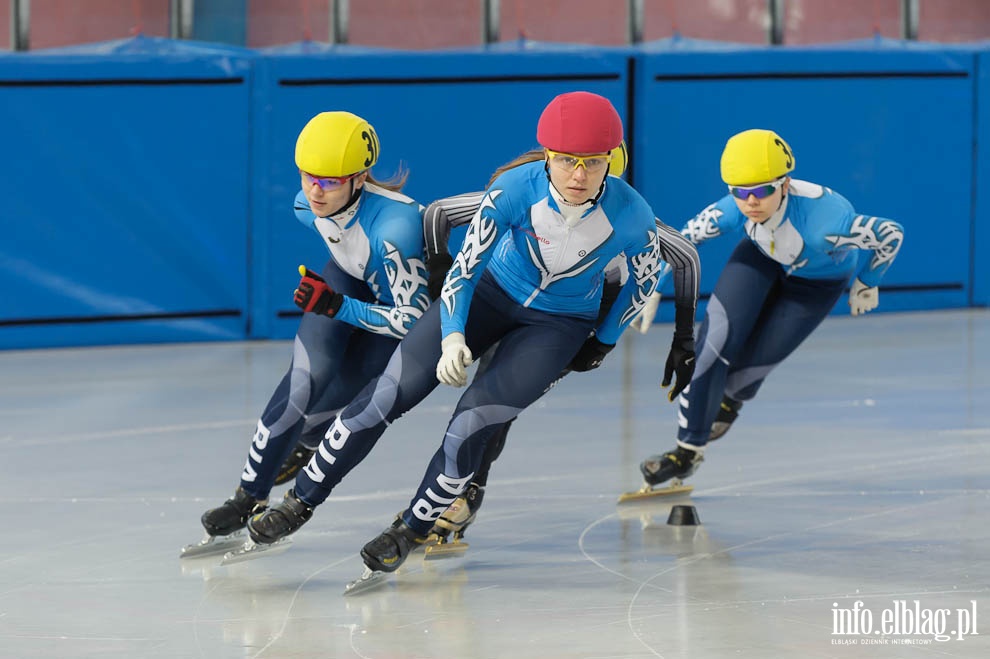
(728, 411)
(223, 524)
(385, 554)
(293, 464)
(674, 466)
(389, 550)
(449, 528)
(281, 520)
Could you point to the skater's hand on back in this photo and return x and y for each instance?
(315, 295)
(437, 266)
(680, 361)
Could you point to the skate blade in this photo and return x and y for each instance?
(251, 550)
(649, 492)
(368, 581)
(443, 550)
(212, 545)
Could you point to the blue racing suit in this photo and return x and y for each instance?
(780, 283)
(376, 262)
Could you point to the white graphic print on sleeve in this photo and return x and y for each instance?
(404, 280)
(480, 238)
(703, 226)
(646, 271)
(873, 233)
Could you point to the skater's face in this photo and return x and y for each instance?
(759, 202)
(327, 196)
(577, 177)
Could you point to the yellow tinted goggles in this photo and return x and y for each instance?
(569, 162)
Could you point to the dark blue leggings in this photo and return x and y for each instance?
(533, 349)
(331, 362)
(756, 317)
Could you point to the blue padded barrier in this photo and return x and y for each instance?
(125, 188)
(981, 186)
(889, 127)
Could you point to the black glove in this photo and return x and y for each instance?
(680, 361)
(314, 294)
(438, 265)
(590, 356)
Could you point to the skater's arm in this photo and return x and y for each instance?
(397, 240)
(439, 219)
(643, 263)
(487, 226)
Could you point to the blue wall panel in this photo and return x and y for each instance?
(125, 184)
(449, 118)
(891, 131)
(981, 187)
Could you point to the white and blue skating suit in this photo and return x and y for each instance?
(526, 278)
(376, 262)
(780, 283)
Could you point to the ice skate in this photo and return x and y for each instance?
(671, 466)
(449, 528)
(248, 550)
(385, 554)
(279, 521)
(224, 525)
(293, 464)
(367, 581)
(728, 411)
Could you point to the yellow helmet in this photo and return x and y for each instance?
(620, 158)
(755, 156)
(336, 144)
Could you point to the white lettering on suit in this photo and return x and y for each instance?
(258, 444)
(425, 510)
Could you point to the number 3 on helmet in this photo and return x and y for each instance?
(336, 144)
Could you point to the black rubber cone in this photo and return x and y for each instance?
(683, 516)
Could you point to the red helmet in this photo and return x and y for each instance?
(579, 122)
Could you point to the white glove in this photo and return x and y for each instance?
(863, 298)
(644, 319)
(456, 357)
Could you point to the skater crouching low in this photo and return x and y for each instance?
(804, 246)
(533, 299)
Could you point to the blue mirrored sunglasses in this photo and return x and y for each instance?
(326, 182)
(761, 191)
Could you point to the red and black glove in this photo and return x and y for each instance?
(314, 294)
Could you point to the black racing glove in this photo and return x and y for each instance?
(590, 356)
(437, 265)
(680, 360)
(314, 294)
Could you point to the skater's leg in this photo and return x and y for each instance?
(317, 351)
(798, 309)
(746, 283)
(408, 378)
(364, 358)
(527, 360)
